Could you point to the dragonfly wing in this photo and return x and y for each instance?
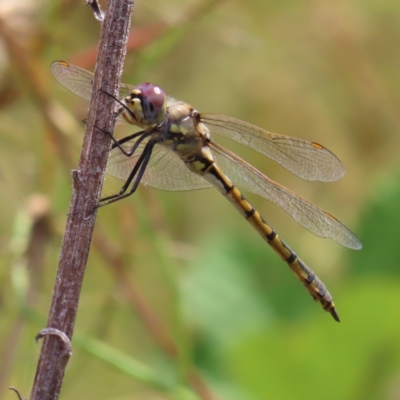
(78, 80)
(313, 218)
(166, 171)
(308, 160)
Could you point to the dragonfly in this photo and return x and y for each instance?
(175, 151)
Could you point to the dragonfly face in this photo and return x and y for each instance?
(176, 152)
(146, 105)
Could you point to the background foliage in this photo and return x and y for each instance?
(180, 295)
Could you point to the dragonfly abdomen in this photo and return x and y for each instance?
(312, 283)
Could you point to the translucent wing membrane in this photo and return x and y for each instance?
(305, 159)
(166, 171)
(305, 213)
(78, 80)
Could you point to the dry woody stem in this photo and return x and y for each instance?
(87, 185)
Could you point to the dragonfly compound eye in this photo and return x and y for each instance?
(153, 102)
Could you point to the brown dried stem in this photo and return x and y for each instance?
(87, 182)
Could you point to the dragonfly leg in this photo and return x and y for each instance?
(118, 143)
(136, 173)
(123, 105)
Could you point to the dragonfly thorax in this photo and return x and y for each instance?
(183, 132)
(184, 120)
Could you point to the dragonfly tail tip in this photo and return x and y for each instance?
(335, 315)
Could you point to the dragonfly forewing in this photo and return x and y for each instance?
(78, 80)
(308, 160)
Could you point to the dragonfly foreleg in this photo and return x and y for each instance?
(123, 105)
(118, 143)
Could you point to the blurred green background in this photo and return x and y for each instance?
(182, 299)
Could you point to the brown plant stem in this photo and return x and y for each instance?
(87, 185)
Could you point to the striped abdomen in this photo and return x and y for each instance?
(311, 282)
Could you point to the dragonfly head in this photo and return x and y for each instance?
(148, 104)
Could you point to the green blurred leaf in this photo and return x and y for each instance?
(379, 231)
(321, 358)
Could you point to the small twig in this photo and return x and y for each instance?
(17, 392)
(67, 352)
(81, 218)
(95, 6)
